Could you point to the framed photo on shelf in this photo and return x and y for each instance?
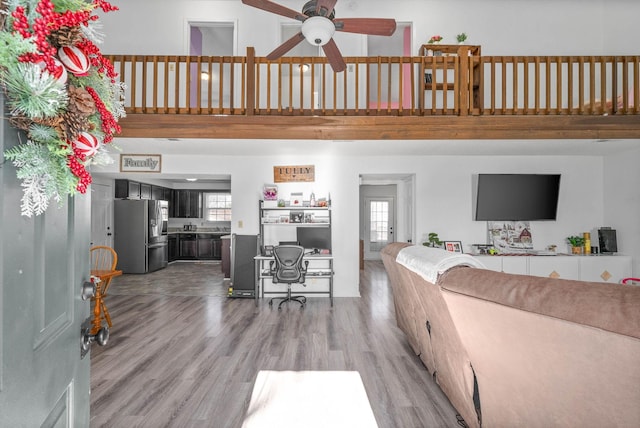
(296, 217)
(453, 246)
(296, 199)
(270, 195)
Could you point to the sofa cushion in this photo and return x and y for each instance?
(611, 307)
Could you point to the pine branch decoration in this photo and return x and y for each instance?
(34, 93)
(51, 104)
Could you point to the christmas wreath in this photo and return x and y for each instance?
(61, 91)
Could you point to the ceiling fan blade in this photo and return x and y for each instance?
(327, 5)
(334, 56)
(272, 7)
(372, 26)
(285, 47)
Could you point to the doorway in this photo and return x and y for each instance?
(386, 211)
(379, 223)
(399, 44)
(101, 214)
(211, 39)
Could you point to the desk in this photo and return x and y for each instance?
(326, 271)
(99, 308)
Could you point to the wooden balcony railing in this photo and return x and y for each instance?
(381, 86)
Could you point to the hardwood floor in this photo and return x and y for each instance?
(180, 361)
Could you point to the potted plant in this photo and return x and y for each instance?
(433, 241)
(461, 38)
(576, 243)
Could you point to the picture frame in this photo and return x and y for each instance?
(270, 192)
(453, 246)
(296, 217)
(296, 199)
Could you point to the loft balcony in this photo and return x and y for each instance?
(446, 92)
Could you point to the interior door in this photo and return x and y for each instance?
(43, 262)
(101, 215)
(379, 220)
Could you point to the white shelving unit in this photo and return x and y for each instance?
(279, 224)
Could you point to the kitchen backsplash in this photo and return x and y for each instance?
(198, 224)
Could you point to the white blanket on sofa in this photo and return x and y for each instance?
(430, 262)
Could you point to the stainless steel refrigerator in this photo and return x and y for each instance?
(140, 235)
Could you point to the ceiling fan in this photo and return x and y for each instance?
(319, 25)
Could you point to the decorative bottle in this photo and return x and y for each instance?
(587, 243)
(312, 199)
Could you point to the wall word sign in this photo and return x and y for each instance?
(140, 163)
(284, 174)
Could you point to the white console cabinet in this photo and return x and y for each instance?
(596, 268)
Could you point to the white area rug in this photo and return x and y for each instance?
(309, 399)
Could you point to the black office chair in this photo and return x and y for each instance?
(289, 268)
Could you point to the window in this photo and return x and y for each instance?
(217, 206)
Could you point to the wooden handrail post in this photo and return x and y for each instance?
(251, 80)
(463, 77)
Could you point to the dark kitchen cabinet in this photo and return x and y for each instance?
(157, 193)
(174, 249)
(226, 256)
(127, 189)
(205, 246)
(167, 194)
(187, 203)
(188, 246)
(145, 191)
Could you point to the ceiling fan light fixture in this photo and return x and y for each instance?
(318, 30)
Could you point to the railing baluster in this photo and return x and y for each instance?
(570, 85)
(514, 65)
(603, 88)
(636, 85)
(581, 86)
(558, 84)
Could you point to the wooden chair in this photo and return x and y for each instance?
(103, 260)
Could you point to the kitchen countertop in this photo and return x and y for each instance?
(198, 231)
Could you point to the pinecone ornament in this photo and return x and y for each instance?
(20, 122)
(80, 101)
(66, 36)
(56, 123)
(74, 124)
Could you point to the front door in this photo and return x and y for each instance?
(379, 218)
(43, 262)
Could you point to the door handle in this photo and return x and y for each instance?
(88, 290)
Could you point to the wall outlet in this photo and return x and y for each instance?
(172, 67)
(240, 224)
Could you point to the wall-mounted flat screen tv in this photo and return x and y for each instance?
(517, 197)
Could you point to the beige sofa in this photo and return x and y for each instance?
(524, 351)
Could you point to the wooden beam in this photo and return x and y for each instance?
(341, 127)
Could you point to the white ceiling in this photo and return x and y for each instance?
(243, 147)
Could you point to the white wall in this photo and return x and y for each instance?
(502, 27)
(443, 194)
(621, 201)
